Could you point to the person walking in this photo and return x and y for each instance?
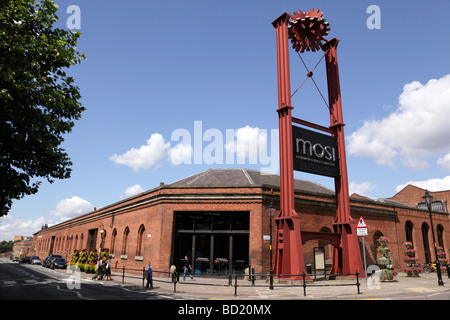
(98, 270)
(150, 275)
(108, 269)
(187, 268)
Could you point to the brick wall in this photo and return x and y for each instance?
(154, 211)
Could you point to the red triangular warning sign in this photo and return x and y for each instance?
(361, 223)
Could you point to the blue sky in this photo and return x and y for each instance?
(160, 72)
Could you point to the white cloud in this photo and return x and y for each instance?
(248, 143)
(146, 156)
(417, 129)
(430, 184)
(181, 153)
(10, 227)
(361, 188)
(444, 162)
(70, 208)
(64, 210)
(131, 191)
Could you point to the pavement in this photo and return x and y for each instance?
(206, 288)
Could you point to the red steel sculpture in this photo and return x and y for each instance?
(306, 31)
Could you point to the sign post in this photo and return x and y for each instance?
(361, 231)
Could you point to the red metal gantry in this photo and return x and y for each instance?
(306, 31)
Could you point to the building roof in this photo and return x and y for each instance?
(412, 195)
(245, 178)
(389, 202)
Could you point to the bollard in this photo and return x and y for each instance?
(235, 285)
(123, 274)
(357, 281)
(304, 283)
(253, 277)
(143, 276)
(175, 280)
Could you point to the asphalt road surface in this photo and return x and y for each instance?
(34, 282)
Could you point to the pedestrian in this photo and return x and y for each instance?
(108, 269)
(150, 275)
(99, 269)
(187, 268)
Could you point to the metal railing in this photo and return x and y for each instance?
(142, 274)
(297, 280)
(241, 280)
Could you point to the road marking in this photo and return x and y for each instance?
(420, 289)
(32, 281)
(73, 291)
(433, 294)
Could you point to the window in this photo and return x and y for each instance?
(426, 244)
(139, 251)
(440, 235)
(113, 241)
(125, 240)
(408, 231)
(436, 206)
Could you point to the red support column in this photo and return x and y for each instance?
(348, 259)
(289, 250)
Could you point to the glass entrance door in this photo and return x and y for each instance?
(215, 242)
(202, 250)
(221, 254)
(218, 254)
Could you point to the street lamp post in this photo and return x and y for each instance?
(271, 212)
(102, 232)
(428, 200)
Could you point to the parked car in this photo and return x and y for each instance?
(36, 260)
(48, 260)
(25, 260)
(33, 257)
(59, 263)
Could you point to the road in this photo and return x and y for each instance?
(33, 282)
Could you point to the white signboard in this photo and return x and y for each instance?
(361, 232)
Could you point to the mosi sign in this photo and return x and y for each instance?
(315, 152)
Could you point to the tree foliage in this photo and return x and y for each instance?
(38, 100)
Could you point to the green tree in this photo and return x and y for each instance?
(38, 101)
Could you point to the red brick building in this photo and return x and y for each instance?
(219, 219)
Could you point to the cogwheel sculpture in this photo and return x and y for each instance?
(307, 29)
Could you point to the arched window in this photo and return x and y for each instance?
(440, 235)
(426, 243)
(374, 250)
(125, 240)
(113, 241)
(81, 242)
(328, 247)
(140, 238)
(408, 231)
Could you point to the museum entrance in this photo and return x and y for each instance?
(216, 243)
